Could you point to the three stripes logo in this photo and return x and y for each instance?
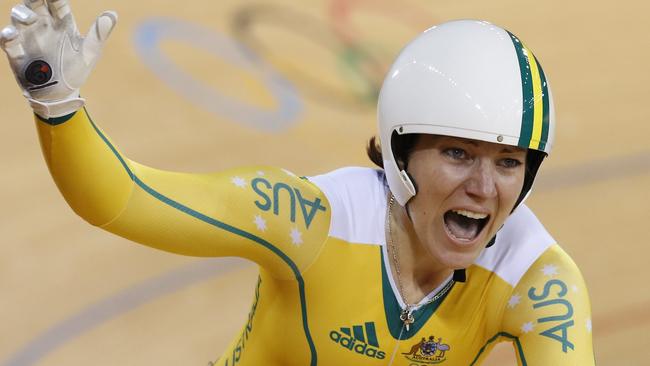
(359, 339)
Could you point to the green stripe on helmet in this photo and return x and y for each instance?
(528, 101)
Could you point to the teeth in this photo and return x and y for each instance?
(471, 215)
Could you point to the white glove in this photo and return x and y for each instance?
(49, 57)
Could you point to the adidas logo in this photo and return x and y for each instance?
(360, 339)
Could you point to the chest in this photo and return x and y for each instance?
(354, 316)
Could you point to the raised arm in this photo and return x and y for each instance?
(548, 315)
(264, 214)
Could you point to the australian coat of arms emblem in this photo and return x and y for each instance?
(428, 351)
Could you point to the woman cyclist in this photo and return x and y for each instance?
(430, 258)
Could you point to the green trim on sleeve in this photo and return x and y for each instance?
(520, 350)
(56, 120)
(229, 228)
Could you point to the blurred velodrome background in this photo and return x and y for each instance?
(206, 85)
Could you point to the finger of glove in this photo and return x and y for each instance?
(10, 43)
(38, 6)
(22, 16)
(98, 34)
(60, 9)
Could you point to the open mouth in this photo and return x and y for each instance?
(465, 225)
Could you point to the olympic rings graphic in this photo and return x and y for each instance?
(341, 18)
(361, 64)
(362, 89)
(152, 32)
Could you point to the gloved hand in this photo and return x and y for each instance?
(49, 57)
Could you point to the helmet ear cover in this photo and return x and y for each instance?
(534, 159)
(402, 146)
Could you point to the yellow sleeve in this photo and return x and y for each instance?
(265, 214)
(548, 316)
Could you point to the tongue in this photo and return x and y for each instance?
(462, 227)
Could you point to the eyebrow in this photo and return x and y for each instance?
(510, 151)
(505, 150)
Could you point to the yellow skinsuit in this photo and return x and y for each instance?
(325, 294)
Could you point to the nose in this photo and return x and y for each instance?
(481, 183)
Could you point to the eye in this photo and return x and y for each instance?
(455, 153)
(510, 163)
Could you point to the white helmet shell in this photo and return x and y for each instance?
(469, 79)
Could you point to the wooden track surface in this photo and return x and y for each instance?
(74, 295)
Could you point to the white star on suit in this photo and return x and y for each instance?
(296, 237)
(514, 300)
(260, 223)
(527, 327)
(550, 270)
(239, 182)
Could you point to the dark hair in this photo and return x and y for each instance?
(402, 148)
(373, 149)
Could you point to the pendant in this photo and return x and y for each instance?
(407, 318)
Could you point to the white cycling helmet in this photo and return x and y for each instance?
(469, 79)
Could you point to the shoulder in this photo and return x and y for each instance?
(549, 312)
(519, 244)
(357, 196)
(350, 180)
(556, 264)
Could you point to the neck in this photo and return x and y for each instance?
(419, 273)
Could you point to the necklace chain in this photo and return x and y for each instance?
(406, 315)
